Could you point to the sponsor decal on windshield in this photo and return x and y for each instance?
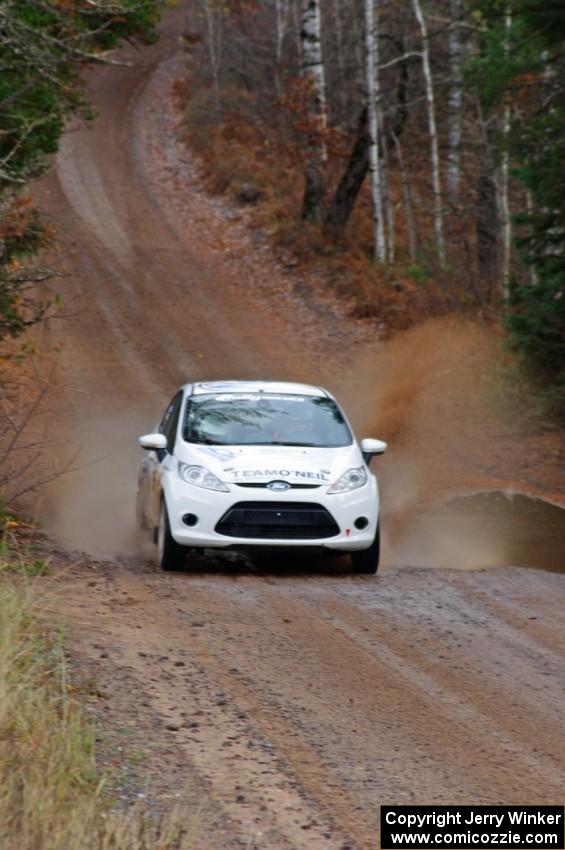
(258, 397)
(272, 474)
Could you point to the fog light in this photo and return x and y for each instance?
(190, 520)
(361, 522)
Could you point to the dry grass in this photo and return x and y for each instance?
(52, 794)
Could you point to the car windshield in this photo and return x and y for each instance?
(265, 419)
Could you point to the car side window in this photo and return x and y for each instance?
(166, 417)
(170, 421)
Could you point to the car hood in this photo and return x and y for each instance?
(261, 464)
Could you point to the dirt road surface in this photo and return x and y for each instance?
(281, 705)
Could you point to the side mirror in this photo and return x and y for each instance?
(370, 448)
(155, 442)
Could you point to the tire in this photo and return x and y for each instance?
(170, 554)
(366, 561)
(140, 521)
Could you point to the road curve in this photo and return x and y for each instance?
(298, 700)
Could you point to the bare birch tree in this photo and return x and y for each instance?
(505, 215)
(296, 18)
(454, 102)
(212, 29)
(487, 207)
(373, 109)
(430, 100)
(338, 25)
(406, 198)
(281, 18)
(314, 75)
(388, 208)
(342, 203)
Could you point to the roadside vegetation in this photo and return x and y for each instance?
(409, 152)
(44, 44)
(53, 794)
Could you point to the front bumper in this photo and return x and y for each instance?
(210, 506)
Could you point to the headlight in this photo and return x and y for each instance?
(350, 480)
(201, 477)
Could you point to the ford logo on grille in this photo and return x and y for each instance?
(278, 486)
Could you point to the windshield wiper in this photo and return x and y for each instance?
(281, 443)
(304, 445)
(266, 443)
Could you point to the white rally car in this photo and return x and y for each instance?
(253, 465)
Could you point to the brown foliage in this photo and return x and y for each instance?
(245, 152)
(21, 231)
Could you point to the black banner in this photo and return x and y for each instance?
(472, 827)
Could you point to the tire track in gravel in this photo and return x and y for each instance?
(462, 702)
(316, 701)
(457, 687)
(286, 787)
(437, 703)
(518, 613)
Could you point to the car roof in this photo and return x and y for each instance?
(279, 387)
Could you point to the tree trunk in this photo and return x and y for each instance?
(343, 201)
(313, 71)
(454, 103)
(339, 48)
(505, 216)
(487, 228)
(430, 99)
(296, 16)
(213, 53)
(281, 12)
(339, 36)
(373, 114)
(388, 209)
(348, 188)
(406, 199)
(534, 280)
(359, 51)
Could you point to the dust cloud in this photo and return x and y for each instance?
(430, 393)
(91, 508)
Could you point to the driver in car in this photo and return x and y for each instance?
(294, 426)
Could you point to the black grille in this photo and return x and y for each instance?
(290, 486)
(278, 520)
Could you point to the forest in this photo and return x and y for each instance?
(43, 46)
(412, 150)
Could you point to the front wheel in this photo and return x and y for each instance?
(140, 520)
(366, 561)
(171, 555)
